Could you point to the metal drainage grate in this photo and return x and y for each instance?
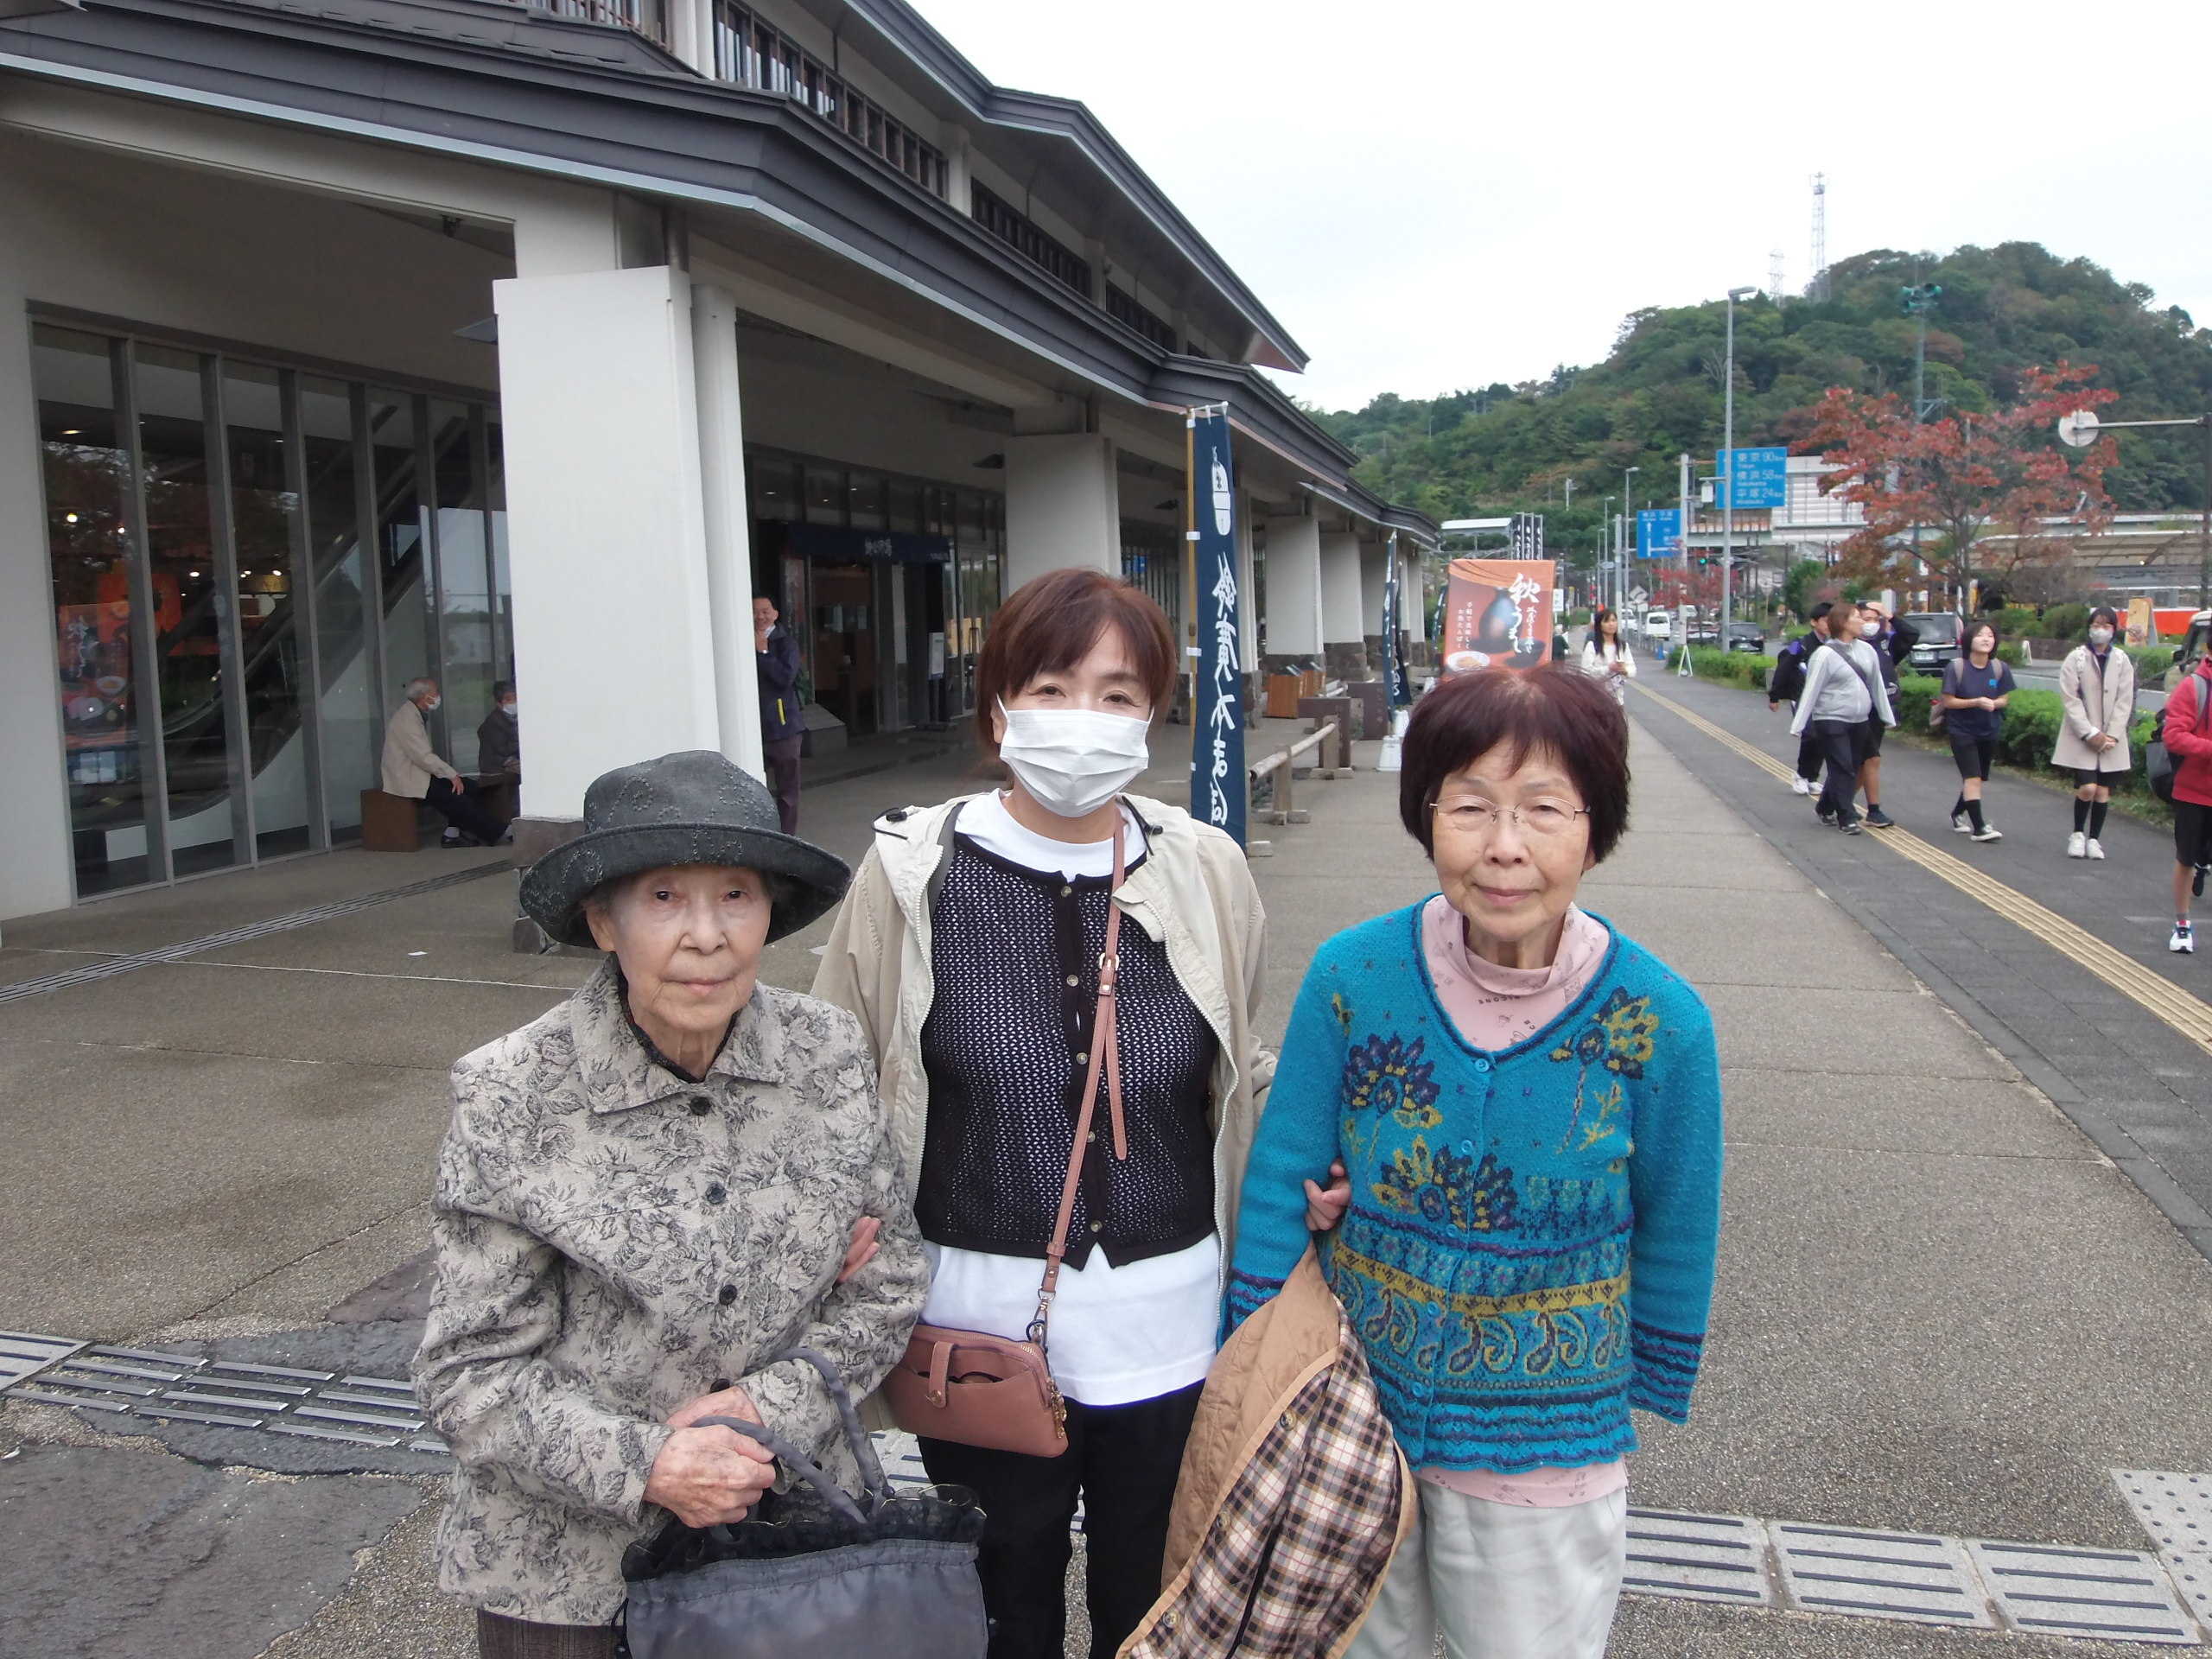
(2113, 1595)
(1697, 1558)
(2192, 1579)
(1910, 1576)
(22, 1354)
(2175, 1509)
(231, 1394)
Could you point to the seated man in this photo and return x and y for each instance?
(498, 740)
(412, 769)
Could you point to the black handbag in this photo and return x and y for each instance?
(813, 1570)
(2158, 766)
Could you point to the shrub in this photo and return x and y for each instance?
(2015, 620)
(1729, 667)
(2151, 663)
(2066, 622)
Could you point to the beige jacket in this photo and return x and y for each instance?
(410, 762)
(2094, 703)
(1194, 892)
(614, 1242)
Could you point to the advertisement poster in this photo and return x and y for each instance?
(2141, 631)
(1217, 782)
(1498, 614)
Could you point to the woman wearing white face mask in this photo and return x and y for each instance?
(970, 946)
(2096, 689)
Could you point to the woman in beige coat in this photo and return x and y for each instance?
(2096, 684)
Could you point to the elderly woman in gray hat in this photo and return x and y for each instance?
(645, 1194)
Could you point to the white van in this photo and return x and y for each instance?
(1658, 626)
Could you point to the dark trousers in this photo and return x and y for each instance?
(1122, 1460)
(465, 811)
(1842, 745)
(782, 755)
(1808, 757)
(498, 1636)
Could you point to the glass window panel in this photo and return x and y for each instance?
(865, 500)
(906, 508)
(86, 469)
(350, 731)
(401, 567)
(825, 495)
(464, 591)
(774, 486)
(264, 521)
(187, 584)
(495, 497)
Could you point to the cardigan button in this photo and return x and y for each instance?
(717, 1192)
(1481, 1064)
(1074, 979)
(1067, 893)
(728, 1295)
(701, 1105)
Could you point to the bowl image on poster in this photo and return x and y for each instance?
(1498, 614)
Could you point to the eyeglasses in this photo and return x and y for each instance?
(1471, 816)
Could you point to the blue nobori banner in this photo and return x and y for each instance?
(1217, 782)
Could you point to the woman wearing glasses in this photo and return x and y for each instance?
(1529, 1106)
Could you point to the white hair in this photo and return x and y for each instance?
(417, 688)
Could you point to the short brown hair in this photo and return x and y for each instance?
(1558, 712)
(1050, 624)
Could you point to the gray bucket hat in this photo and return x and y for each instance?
(696, 807)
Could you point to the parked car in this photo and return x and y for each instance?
(2194, 644)
(1747, 636)
(1936, 640)
(1658, 626)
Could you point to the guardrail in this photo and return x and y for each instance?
(1282, 767)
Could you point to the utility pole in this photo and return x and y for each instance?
(1682, 540)
(2080, 430)
(1605, 535)
(1628, 530)
(1728, 464)
(1918, 299)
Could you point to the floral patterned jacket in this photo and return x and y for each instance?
(614, 1242)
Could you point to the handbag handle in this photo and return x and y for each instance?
(1105, 1051)
(872, 1479)
(798, 1462)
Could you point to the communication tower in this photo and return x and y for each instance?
(1775, 277)
(1817, 288)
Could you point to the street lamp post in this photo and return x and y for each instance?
(1605, 536)
(2079, 430)
(1728, 464)
(1628, 534)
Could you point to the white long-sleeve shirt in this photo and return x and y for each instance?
(1835, 690)
(1598, 659)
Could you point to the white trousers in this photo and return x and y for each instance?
(1501, 1581)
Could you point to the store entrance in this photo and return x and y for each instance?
(845, 643)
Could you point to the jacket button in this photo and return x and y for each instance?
(729, 1295)
(701, 1105)
(717, 1194)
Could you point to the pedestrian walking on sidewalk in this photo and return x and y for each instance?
(1976, 686)
(2096, 689)
(646, 1196)
(1890, 642)
(2187, 729)
(1529, 1103)
(1844, 692)
(783, 727)
(415, 770)
(1607, 656)
(1787, 684)
(971, 947)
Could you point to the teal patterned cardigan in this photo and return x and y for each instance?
(1529, 1248)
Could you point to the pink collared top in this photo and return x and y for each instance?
(1496, 1008)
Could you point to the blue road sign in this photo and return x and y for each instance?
(1762, 479)
(1658, 532)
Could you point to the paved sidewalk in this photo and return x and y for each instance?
(1939, 1307)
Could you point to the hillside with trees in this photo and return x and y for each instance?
(2004, 311)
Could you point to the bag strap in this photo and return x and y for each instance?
(797, 1461)
(1105, 1046)
(1865, 678)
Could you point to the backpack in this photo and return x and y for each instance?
(1789, 677)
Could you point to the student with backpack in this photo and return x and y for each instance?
(1844, 690)
(1787, 684)
(1976, 686)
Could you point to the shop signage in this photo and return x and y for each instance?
(844, 546)
(1218, 780)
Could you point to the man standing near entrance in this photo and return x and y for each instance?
(413, 769)
(782, 731)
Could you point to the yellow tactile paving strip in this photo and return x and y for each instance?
(2187, 1015)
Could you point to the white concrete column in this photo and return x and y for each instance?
(1340, 605)
(34, 851)
(1063, 506)
(729, 540)
(1294, 588)
(1374, 577)
(614, 632)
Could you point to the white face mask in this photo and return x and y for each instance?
(2100, 638)
(1073, 760)
(431, 703)
(509, 707)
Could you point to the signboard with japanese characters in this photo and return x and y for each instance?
(1498, 614)
(1218, 780)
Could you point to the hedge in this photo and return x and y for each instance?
(1742, 668)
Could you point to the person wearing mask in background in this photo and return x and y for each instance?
(1607, 655)
(2187, 728)
(783, 728)
(1787, 684)
(1843, 692)
(2096, 689)
(1976, 686)
(1874, 628)
(498, 740)
(970, 946)
(413, 770)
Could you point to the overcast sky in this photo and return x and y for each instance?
(1438, 194)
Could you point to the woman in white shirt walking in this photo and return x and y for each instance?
(1843, 690)
(1607, 655)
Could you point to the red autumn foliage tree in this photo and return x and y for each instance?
(1989, 486)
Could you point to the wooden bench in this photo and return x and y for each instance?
(390, 823)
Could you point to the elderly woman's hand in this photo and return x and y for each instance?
(1324, 1210)
(710, 1476)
